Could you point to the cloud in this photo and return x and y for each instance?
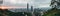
(42, 3)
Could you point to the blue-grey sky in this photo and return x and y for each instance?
(23, 3)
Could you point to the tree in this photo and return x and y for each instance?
(54, 11)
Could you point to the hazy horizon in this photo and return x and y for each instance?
(23, 3)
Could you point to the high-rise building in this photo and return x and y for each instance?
(27, 6)
(31, 8)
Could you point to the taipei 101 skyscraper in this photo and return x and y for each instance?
(27, 6)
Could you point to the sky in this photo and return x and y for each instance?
(23, 3)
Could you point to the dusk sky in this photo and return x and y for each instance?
(23, 3)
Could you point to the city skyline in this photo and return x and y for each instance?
(23, 3)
